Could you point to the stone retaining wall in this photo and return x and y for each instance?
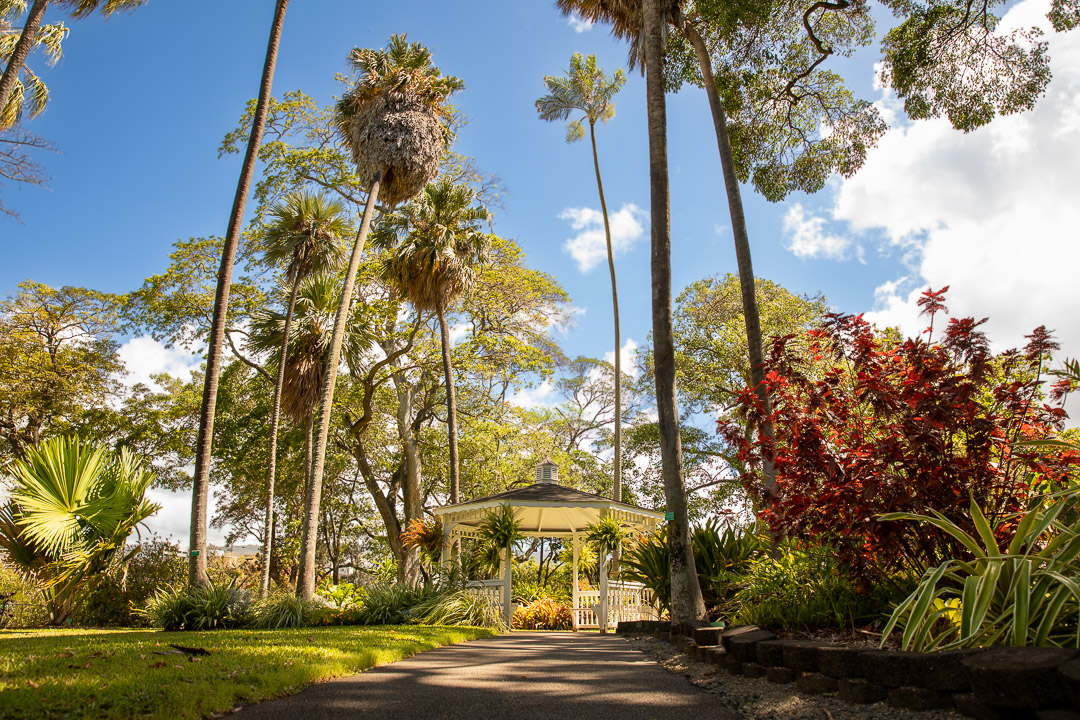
(998, 683)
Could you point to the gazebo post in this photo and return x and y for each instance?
(603, 619)
(508, 574)
(575, 600)
(444, 559)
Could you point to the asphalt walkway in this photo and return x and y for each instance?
(520, 676)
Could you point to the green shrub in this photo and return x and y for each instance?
(803, 587)
(543, 614)
(392, 603)
(526, 591)
(283, 609)
(460, 607)
(125, 588)
(194, 608)
(342, 595)
(1024, 594)
(23, 607)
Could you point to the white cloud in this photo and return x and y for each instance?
(144, 356)
(808, 238)
(991, 213)
(588, 247)
(579, 24)
(173, 520)
(533, 397)
(628, 356)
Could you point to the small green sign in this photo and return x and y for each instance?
(194, 553)
(669, 516)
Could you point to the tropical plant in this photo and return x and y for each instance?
(197, 607)
(460, 607)
(394, 118)
(200, 483)
(342, 595)
(394, 603)
(500, 529)
(116, 598)
(28, 91)
(70, 512)
(586, 89)
(305, 235)
(436, 242)
(543, 614)
(425, 535)
(1024, 592)
(606, 534)
(283, 609)
(919, 425)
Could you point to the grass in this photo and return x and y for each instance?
(116, 674)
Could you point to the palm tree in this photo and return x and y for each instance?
(433, 264)
(200, 484)
(395, 118)
(644, 23)
(305, 233)
(29, 91)
(29, 37)
(586, 89)
(72, 507)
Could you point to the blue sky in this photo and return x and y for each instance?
(140, 104)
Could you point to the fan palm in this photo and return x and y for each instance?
(71, 510)
(587, 90)
(436, 241)
(12, 90)
(395, 120)
(200, 482)
(305, 234)
(644, 23)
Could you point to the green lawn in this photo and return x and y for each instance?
(115, 673)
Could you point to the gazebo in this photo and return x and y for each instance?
(547, 509)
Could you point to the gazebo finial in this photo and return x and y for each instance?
(547, 471)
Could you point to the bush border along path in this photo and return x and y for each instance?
(115, 674)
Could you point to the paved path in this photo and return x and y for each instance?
(520, 676)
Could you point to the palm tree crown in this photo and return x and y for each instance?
(586, 89)
(306, 233)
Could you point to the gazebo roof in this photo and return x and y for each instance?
(546, 508)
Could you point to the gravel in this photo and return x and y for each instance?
(758, 699)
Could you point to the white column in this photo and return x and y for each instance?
(508, 574)
(603, 619)
(576, 599)
(444, 559)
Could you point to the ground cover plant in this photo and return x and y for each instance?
(111, 675)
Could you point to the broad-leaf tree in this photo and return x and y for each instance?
(586, 94)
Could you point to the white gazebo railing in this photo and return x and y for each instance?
(627, 601)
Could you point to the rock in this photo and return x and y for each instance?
(1057, 714)
(770, 653)
(744, 647)
(801, 656)
(921, 699)
(813, 683)
(732, 665)
(714, 656)
(889, 668)
(968, 704)
(780, 675)
(1070, 678)
(627, 627)
(839, 661)
(1019, 677)
(688, 627)
(753, 670)
(707, 635)
(943, 671)
(733, 632)
(859, 692)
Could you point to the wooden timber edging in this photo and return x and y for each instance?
(984, 683)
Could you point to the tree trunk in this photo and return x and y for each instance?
(275, 414)
(200, 487)
(412, 499)
(305, 585)
(751, 316)
(451, 405)
(617, 490)
(686, 601)
(27, 40)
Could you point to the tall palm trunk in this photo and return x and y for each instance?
(742, 247)
(200, 487)
(686, 600)
(617, 490)
(451, 404)
(275, 415)
(22, 49)
(305, 584)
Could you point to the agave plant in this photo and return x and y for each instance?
(1022, 594)
(72, 507)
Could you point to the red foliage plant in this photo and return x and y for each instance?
(871, 424)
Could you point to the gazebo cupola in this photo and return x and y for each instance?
(547, 472)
